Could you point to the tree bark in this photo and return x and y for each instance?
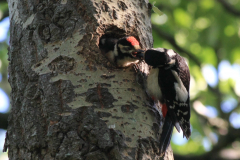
(68, 101)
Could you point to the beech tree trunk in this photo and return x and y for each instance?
(68, 101)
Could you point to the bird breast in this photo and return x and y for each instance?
(153, 87)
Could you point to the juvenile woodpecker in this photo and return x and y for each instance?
(168, 82)
(122, 51)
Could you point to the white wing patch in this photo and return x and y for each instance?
(159, 49)
(152, 84)
(181, 92)
(171, 53)
(183, 104)
(172, 62)
(184, 113)
(172, 107)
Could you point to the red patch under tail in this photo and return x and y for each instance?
(164, 110)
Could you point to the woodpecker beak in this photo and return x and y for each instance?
(136, 48)
(140, 53)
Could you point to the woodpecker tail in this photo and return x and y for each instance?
(166, 134)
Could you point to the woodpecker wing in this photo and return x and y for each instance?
(174, 83)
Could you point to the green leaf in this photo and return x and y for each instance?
(156, 10)
(235, 55)
(182, 17)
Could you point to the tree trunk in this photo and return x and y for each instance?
(67, 101)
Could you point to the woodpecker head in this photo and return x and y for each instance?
(128, 45)
(157, 57)
(123, 51)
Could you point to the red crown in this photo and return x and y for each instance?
(133, 40)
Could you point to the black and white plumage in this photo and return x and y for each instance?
(168, 82)
(122, 51)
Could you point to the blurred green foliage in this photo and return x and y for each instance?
(211, 34)
(3, 69)
(3, 53)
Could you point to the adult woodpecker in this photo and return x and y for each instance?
(168, 82)
(122, 51)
